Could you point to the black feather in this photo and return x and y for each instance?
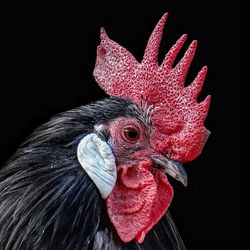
(47, 201)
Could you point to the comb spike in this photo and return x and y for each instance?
(114, 66)
(183, 65)
(173, 52)
(103, 33)
(194, 89)
(151, 51)
(204, 107)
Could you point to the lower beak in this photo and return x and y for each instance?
(173, 168)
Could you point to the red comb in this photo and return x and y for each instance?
(178, 119)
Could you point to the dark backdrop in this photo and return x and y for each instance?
(48, 56)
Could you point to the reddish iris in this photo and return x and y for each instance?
(131, 134)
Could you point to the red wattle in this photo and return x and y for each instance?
(138, 201)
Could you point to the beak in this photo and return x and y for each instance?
(173, 168)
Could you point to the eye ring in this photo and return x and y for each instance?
(130, 134)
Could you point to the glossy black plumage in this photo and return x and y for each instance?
(47, 201)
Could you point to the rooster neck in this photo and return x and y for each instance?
(48, 202)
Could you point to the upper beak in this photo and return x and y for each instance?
(171, 167)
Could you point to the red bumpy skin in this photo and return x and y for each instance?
(178, 119)
(138, 200)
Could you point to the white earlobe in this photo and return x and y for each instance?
(97, 159)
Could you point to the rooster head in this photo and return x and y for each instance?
(128, 157)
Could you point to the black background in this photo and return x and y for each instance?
(48, 55)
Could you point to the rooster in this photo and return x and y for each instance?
(95, 177)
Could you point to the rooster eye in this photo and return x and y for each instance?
(131, 134)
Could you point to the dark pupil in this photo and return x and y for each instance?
(131, 134)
